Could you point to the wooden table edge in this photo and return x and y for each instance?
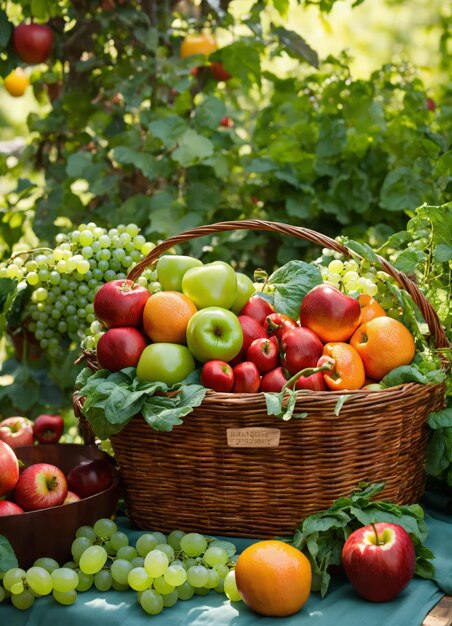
(441, 614)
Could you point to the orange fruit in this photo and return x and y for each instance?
(166, 315)
(370, 308)
(383, 344)
(348, 371)
(16, 82)
(273, 578)
(201, 43)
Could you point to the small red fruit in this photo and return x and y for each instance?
(71, 497)
(226, 122)
(90, 477)
(120, 303)
(9, 508)
(301, 348)
(315, 382)
(276, 323)
(219, 72)
(16, 431)
(48, 428)
(40, 486)
(264, 353)
(33, 42)
(246, 378)
(258, 308)
(217, 375)
(9, 468)
(119, 348)
(274, 380)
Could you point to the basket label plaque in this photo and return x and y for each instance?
(253, 437)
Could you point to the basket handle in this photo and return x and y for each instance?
(324, 241)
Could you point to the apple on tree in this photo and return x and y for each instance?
(120, 303)
(33, 42)
(40, 486)
(9, 468)
(379, 560)
(17, 431)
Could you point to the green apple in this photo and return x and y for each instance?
(213, 284)
(214, 333)
(171, 268)
(169, 363)
(245, 289)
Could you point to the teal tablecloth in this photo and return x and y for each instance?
(340, 607)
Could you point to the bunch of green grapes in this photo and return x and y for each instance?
(65, 279)
(162, 569)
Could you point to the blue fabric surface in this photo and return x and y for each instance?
(340, 607)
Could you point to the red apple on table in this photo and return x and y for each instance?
(331, 314)
(246, 378)
(276, 323)
(217, 375)
(264, 353)
(379, 560)
(9, 508)
(48, 428)
(258, 308)
(120, 347)
(9, 468)
(90, 477)
(274, 380)
(33, 42)
(300, 348)
(17, 431)
(40, 486)
(120, 303)
(71, 497)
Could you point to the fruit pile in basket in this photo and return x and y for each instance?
(246, 337)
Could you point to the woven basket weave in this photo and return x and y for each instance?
(193, 479)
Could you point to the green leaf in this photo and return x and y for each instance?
(191, 395)
(192, 148)
(408, 260)
(210, 112)
(162, 413)
(442, 253)
(5, 30)
(292, 282)
(438, 449)
(242, 60)
(273, 402)
(149, 37)
(168, 130)
(79, 164)
(295, 45)
(361, 248)
(282, 6)
(8, 559)
(440, 419)
(122, 404)
(340, 403)
(144, 162)
(403, 190)
(410, 374)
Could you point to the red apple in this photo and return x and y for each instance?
(246, 378)
(40, 486)
(120, 303)
(48, 428)
(217, 375)
(119, 348)
(33, 42)
(9, 468)
(300, 348)
(251, 330)
(90, 477)
(315, 382)
(273, 380)
(71, 497)
(379, 560)
(430, 104)
(264, 353)
(17, 431)
(219, 72)
(331, 314)
(276, 323)
(9, 508)
(258, 308)
(226, 122)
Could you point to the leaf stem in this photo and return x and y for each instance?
(307, 371)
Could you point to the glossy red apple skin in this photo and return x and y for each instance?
(120, 303)
(17, 431)
(9, 468)
(264, 353)
(315, 382)
(119, 348)
(40, 486)
(9, 508)
(276, 323)
(48, 428)
(331, 314)
(258, 308)
(274, 380)
(90, 477)
(217, 375)
(379, 572)
(251, 330)
(33, 42)
(246, 378)
(300, 348)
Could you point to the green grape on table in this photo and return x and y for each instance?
(185, 591)
(138, 579)
(78, 547)
(145, 543)
(119, 570)
(156, 563)
(105, 528)
(47, 563)
(2, 594)
(126, 552)
(174, 538)
(12, 577)
(65, 597)
(230, 587)
(215, 555)
(64, 579)
(161, 586)
(93, 559)
(103, 580)
(85, 581)
(175, 575)
(151, 601)
(39, 580)
(197, 576)
(23, 600)
(193, 544)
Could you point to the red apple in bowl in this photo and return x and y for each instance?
(33, 42)
(120, 347)
(217, 375)
(331, 314)
(17, 431)
(48, 428)
(120, 303)
(90, 477)
(9, 468)
(71, 497)
(9, 508)
(40, 486)
(379, 560)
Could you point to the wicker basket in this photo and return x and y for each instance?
(212, 476)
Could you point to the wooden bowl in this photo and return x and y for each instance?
(50, 532)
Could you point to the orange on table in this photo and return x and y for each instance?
(383, 344)
(348, 371)
(273, 578)
(166, 315)
(370, 308)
